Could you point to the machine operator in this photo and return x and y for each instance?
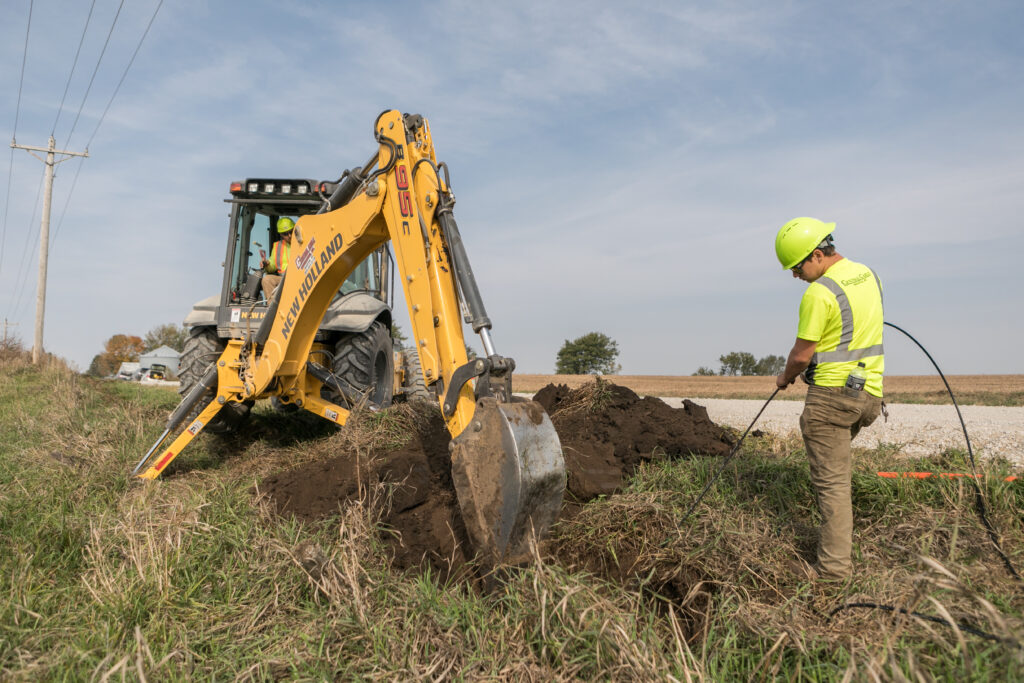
(275, 266)
(838, 350)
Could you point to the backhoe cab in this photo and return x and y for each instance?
(507, 464)
(353, 338)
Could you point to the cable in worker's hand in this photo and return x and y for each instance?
(725, 463)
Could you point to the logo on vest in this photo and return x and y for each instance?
(856, 280)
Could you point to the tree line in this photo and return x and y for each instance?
(744, 363)
(594, 353)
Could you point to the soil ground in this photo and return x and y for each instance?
(606, 432)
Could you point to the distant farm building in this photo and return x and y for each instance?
(163, 355)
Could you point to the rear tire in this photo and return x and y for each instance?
(202, 349)
(366, 362)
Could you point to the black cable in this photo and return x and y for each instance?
(73, 65)
(899, 610)
(979, 498)
(725, 463)
(393, 149)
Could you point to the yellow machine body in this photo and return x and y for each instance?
(509, 469)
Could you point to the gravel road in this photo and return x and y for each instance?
(918, 429)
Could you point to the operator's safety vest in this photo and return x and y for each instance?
(279, 255)
(842, 312)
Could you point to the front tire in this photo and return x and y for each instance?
(414, 386)
(202, 349)
(365, 361)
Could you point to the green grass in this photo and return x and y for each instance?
(191, 577)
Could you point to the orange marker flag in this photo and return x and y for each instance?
(927, 475)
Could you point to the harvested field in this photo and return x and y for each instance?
(980, 389)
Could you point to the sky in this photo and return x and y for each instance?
(619, 167)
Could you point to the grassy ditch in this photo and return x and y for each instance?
(193, 577)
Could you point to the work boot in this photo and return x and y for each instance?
(799, 568)
(828, 577)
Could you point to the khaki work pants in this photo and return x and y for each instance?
(832, 417)
(270, 283)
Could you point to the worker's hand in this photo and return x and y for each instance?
(781, 382)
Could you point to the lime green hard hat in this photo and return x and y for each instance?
(798, 238)
(285, 224)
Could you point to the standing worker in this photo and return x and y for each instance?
(839, 351)
(274, 267)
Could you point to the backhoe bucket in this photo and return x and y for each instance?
(509, 475)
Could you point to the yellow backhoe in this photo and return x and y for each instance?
(507, 462)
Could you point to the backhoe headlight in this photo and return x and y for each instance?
(302, 188)
(286, 188)
(268, 187)
(254, 187)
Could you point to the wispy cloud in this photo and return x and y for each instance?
(618, 168)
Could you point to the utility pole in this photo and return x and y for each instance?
(44, 232)
(6, 325)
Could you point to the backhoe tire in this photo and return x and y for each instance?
(414, 387)
(202, 349)
(365, 361)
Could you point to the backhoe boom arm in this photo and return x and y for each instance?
(507, 461)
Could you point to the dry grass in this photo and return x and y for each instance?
(192, 577)
(985, 389)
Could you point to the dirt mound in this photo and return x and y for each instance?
(419, 506)
(606, 432)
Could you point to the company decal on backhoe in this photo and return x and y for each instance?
(402, 182)
(194, 428)
(314, 267)
(304, 259)
(330, 414)
(238, 315)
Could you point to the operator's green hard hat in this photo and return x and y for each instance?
(798, 238)
(285, 224)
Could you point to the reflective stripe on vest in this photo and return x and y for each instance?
(843, 352)
(280, 259)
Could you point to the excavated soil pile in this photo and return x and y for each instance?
(606, 432)
(420, 507)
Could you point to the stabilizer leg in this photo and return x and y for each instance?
(179, 443)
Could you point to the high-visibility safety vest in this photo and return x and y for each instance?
(842, 312)
(279, 256)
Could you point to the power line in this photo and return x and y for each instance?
(78, 170)
(24, 58)
(14, 136)
(125, 74)
(73, 65)
(93, 77)
(24, 252)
